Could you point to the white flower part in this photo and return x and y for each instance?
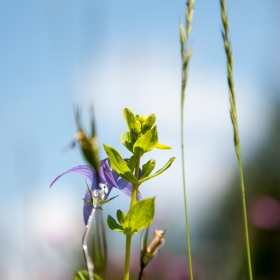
(95, 193)
(104, 188)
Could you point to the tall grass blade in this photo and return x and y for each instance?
(186, 52)
(233, 116)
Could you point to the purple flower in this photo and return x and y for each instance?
(106, 176)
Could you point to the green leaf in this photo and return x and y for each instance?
(148, 167)
(166, 166)
(83, 275)
(113, 225)
(107, 200)
(146, 142)
(148, 123)
(127, 141)
(133, 124)
(131, 163)
(162, 146)
(120, 216)
(139, 216)
(119, 165)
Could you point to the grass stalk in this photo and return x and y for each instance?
(233, 115)
(186, 55)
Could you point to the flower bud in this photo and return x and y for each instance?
(148, 253)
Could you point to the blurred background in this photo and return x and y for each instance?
(116, 54)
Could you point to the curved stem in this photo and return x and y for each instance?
(89, 262)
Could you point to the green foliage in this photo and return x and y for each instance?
(119, 165)
(132, 163)
(133, 124)
(113, 225)
(162, 146)
(142, 136)
(83, 275)
(127, 141)
(120, 216)
(139, 216)
(148, 167)
(165, 167)
(146, 142)
(147, 123)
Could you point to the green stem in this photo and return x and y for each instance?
(127, 257)
(188, 240)
(129, 237)
(135, 186)
(186, 55)
(233, 115)
(244, 213)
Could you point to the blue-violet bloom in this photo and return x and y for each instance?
(107, 176)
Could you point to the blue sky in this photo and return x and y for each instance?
(117, 54)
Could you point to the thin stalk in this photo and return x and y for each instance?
(186, 54)
(104, 242)
(129, 237)
(135, 186)
(127, 257)
(233, 115)
(89, 262)
(141, 273)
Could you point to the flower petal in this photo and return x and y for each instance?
(86, 211)
(126, 188)
(84, 170)
(105, 172)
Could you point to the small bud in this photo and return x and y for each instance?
(148, 253)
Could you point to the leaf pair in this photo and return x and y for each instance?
(139, 217)
(125, 170)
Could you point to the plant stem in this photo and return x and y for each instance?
(185, 201)
(128, 236)
(127, 257)
(233, 115)
(245, 215)
(141, 273)
(135, 186)
(186, 54)
(89, 262)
